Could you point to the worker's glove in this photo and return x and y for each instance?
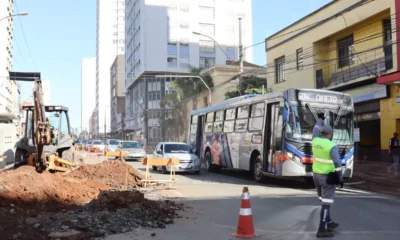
(321, 115)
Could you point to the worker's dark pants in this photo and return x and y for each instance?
(326, 194)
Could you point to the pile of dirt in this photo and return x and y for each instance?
(81, 204)
(26, 186)
(111, 173)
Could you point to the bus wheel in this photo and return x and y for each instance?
(257, 170)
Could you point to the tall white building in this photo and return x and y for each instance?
(110, 42)
(8, 89)
(160, 39)
(88, 92)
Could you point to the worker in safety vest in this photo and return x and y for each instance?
(327, 169)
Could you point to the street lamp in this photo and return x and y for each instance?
(188, 76)
(219, 46)
(14, 15)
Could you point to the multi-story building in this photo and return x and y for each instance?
(160, 40)
(92, 124)
(8, 89)
(117, 93)
(110, 42)
(348, 46)
(88, 91)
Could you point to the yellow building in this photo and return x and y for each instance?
(348, 46)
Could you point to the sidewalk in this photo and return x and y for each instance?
(375, 177)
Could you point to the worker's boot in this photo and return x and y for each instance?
(324, 233)
(332, 226)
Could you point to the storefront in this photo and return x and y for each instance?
(367, 110)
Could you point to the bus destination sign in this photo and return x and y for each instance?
(320, 97)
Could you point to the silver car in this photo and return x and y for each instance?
(112, 145)
(188, 160)
(133, 149)
(98, 144)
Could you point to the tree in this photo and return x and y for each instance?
(182, 89)
(83, 134)
(248, 85)
(188, 87)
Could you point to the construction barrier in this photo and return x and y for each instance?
(149, 161)
(245, 227)
(93, 149)
(120, 154)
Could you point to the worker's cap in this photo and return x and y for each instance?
(326, 129)
(395, 134)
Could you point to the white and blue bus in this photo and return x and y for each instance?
(271, 134)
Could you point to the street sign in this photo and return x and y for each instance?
(356, 135)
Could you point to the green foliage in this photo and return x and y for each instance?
(248, 85)
(188, 87)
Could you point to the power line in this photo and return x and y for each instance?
(23, 32)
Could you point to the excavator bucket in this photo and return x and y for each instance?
(57, 164)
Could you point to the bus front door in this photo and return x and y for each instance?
(199, 136)
(270, 137)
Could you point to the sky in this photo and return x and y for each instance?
(57, 34)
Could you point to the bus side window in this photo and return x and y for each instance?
(243, 112)
(256, 117)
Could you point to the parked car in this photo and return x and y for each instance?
(133, 149)
(112, 145)
(188, 160)
(99, 145)
(88, 144)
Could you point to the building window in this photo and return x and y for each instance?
(184, 48)
(345, 48)
(184, 24)
(207, 29)
(207, 62)
(172, 7)
(207, 12)
(207, 46)
(280, 69)
(172, 62)
(299, 58)
(184, 7)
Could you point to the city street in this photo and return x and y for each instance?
(286, 210)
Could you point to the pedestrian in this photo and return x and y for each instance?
(327, 171)
(394, 152)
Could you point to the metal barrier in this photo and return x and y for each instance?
(164, 162)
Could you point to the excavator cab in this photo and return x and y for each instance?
(56, 156)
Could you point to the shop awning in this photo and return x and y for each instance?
(389, 79)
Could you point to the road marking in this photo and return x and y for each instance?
(313, 232)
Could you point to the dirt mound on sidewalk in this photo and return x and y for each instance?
(111, 173)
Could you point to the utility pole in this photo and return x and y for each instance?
(241, 54)
(105, 124)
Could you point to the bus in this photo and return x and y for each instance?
(271, 134)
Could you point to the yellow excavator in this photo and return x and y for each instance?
(47, 143)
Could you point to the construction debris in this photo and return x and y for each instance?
(81, 204)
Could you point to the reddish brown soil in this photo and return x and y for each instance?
(26, 194)
(111, 173)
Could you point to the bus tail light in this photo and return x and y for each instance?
(307, 159)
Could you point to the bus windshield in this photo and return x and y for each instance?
(302, 121)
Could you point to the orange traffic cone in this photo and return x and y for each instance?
(245, 228)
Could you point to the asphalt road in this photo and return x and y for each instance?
(281, 210)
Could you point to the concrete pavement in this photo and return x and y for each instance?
(280, 211)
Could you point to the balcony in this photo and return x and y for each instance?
(362, 65)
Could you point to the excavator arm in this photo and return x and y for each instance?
(41, 124)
